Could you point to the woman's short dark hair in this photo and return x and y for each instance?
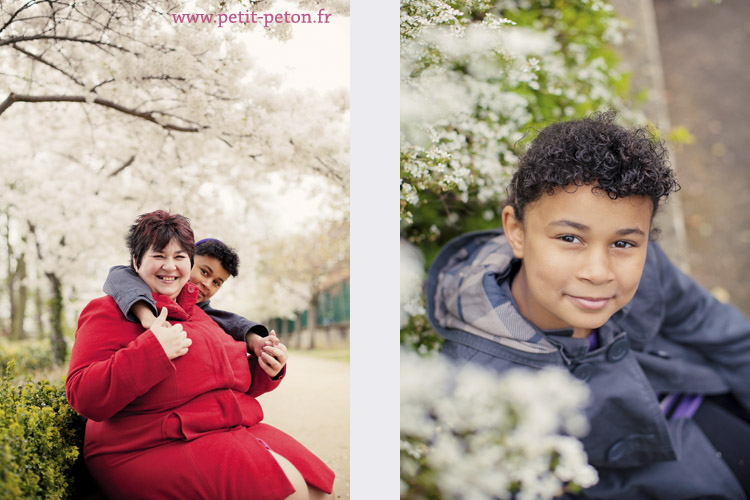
(595, 152)
(157, 229)
(220, 251)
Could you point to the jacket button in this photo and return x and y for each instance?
(618, 350)
(617, 451)
(583, 371)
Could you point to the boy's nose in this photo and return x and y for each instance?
(596, 267)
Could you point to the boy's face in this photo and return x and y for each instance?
(583, 255)
(208, 274)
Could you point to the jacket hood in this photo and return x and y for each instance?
(468, 291)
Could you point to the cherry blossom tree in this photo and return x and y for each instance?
(109, 109)
(302, 266)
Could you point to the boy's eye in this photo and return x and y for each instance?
(623, 244)
(203, 272)
(569, 238)
(217, 284)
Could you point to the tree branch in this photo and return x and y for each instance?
(12, 18)
(123, 166)
(47, 63)
(11, 41)
(145, 115)
(328, 170)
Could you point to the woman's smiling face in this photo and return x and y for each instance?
(165, 271)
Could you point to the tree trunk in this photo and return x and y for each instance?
(297, 339)
(10, 279)
(312, 318)
(59, 347)
(11, 297)
(39, 313)
(19, 298)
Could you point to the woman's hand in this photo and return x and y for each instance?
(172, 338)
(274, 356)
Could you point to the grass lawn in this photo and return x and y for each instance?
(341, 354)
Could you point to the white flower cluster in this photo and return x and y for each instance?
(473, 82)
(412, 275)
(417, 14)
(474, 434)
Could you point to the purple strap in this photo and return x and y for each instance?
(675, 405)
(593, 340)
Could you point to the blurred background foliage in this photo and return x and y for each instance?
(478, 79)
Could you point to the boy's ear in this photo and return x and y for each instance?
(513, 231)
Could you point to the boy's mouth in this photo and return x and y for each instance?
(592, 303)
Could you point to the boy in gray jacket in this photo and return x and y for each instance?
(214, 262)
(573, 280)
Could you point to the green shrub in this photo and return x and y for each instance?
(39, 436)
(29, 355)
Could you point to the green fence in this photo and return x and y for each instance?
(333, 309)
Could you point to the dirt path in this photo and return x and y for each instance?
(702, 46)
(312, 405)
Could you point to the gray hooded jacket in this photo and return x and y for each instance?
(672, 337)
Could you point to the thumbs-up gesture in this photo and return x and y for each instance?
(172, 338)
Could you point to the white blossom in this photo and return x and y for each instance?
(76, 174)
(476, 434)
(462, 104)
(411, 277)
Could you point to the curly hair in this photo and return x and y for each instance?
(217, 249)
(595, 152)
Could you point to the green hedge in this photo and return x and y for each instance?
(29, 355)
(40, 438)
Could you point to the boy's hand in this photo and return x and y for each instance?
(172, 338)
(257, 343)
(272, 340)
(273, 357)
(144, 314)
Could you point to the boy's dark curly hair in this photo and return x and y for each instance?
(597, 152)
(220, 251)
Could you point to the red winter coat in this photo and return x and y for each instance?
(186, 428)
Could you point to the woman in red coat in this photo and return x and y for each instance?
(172, 409)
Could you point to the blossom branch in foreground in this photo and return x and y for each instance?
(475, 434)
